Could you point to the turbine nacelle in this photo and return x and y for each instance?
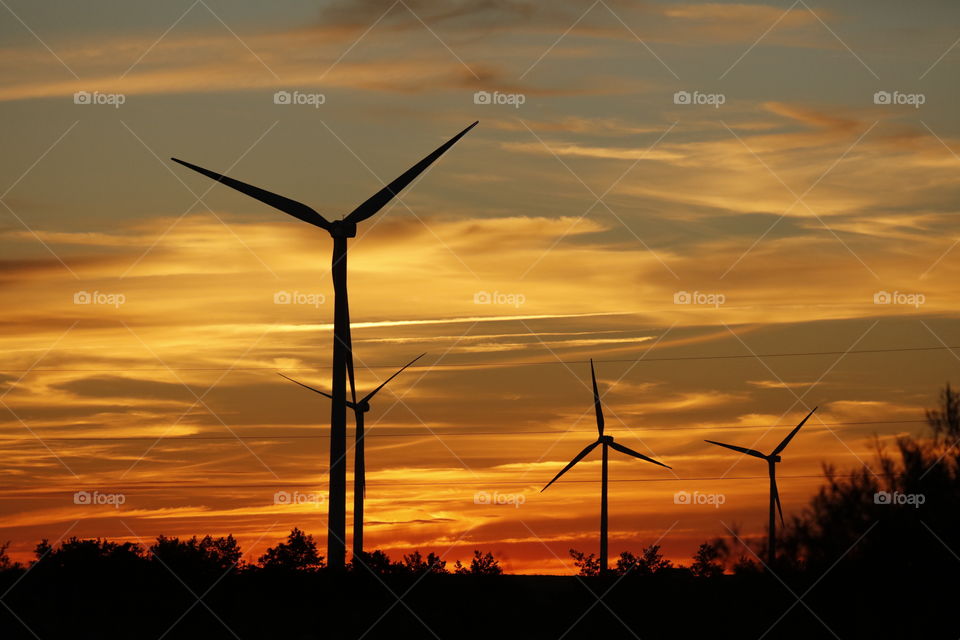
(343, 229)
(774, 458)
(606, 439)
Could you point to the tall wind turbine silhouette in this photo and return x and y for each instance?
(340, 231)
(608, 443)
(360, 408)
(772, 461)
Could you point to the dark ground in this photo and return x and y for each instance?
(262, 604)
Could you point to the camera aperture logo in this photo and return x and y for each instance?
(512, 99)
(111, 99)
(97, 498)
(515, 300)
(896, 97)
(899, 297)
(899, 499)
(299, 97)
(298, 497)
(98, 297)
(697, 98)
(297, 297)
(697, 498)
(699, 298)
(497, 498)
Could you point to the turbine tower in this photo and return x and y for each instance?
(340, 231)
(772, 461)
(608, 443)
(359, 466)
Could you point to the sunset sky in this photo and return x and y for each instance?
(567, 225)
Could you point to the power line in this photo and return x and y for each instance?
(500, 364)
(438, 434)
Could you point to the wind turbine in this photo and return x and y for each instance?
(772, 461)
(340, 231)
(359, 467)
(608, 443)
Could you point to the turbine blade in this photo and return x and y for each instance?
(360, 468)
(577, 459)
(786, 441)
(776, 498)
(596, 400)
(385, 195)
(306, 386)
(353, 382)
(749, 452)
(631, 452)
(370, 395)
(350, 375)
(288, 206)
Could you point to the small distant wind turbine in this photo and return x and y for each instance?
(360, 407)
(608, 443)
(340, 231)
(772, 461)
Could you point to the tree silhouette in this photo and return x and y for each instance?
(6, 564)
(298, 553)
(649, 562)
(945, 420)
(705, 562)
(586, 564)
(198, 562)
(417, 565)
(93, 555)
(376, 562)
(482, 564)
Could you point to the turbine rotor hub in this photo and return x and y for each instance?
(775, 458)
(343, 229)
(606, 439)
